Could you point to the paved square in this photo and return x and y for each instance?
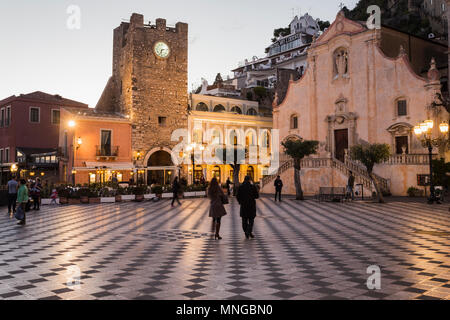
(302, 250)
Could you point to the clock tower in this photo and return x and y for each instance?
(149, 83)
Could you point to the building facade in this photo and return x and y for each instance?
(351, 93)
(95, 147)
(218, 121)
(149, 86)
(29, 134)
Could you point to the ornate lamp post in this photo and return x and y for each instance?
(424, 132)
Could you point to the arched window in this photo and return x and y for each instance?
(219, 108)
(202, 107)
(251, 112)
(236, 109)
(266, 139)
(250, 139)
(233, 138)
(294, 121)
(216, 137)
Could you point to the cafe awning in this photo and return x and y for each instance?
(107, 166)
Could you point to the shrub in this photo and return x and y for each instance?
(157, 190)
(414, 192)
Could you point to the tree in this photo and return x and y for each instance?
(323, 24)
(369, 155)
(297, 149)
(233, 155)
(280, 32)
(440, 171)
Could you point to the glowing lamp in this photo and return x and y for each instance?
(443, 127)
(418, 130)
(71, 123)
(430, 124)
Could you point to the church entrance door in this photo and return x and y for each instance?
(341, 143)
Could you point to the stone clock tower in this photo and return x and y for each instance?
(149, 82)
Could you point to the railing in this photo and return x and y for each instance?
(359, 168)
(410, 159)
(359, 171)
(102, 151)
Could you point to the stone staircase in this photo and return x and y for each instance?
(359, 171)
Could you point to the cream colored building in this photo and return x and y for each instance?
(216, 120)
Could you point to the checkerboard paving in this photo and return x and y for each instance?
(302, 250)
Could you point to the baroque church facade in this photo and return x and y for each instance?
(351, 93)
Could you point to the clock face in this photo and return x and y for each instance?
(162, 50)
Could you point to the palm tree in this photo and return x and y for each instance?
(297, 149)
(369, 155)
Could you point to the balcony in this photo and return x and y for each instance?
(107, 152)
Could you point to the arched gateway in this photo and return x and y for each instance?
(160, 168)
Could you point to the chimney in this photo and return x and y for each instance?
(137, 20)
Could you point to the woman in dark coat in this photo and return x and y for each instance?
(176, 188)
(246, 196)
(217, 210)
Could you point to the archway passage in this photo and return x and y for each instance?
(160, 168)
(160, 159)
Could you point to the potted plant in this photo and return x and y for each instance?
(94, 196)
(107, 195)
(74, 196)
(139, 192)
(158, 191)
(63, 194)
(119, 192)
(84, 195)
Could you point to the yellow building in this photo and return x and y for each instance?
(217, 121)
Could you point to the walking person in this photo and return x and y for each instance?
(246, 196)
(228, 184)
(22, 199)
(176, 188)
(350, 185)
(278, 187)
(13, 186)
(217, 210)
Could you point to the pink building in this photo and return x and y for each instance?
(353, 92)
(29, 133)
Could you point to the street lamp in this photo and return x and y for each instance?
(191, 148)
(424, 131)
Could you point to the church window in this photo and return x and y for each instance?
(294, 122)
(402, 108)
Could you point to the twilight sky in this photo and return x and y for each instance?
(40, 52)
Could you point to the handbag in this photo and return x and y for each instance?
(19, 215)
(224, 199)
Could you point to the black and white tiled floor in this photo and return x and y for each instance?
(302, 250)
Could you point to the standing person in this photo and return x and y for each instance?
(22, 199)
(228, 184)
(12, 194)
(176, 188)
(351, 184)
(217, 210)
(246, 196)
(278, 187)
(36, 195)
